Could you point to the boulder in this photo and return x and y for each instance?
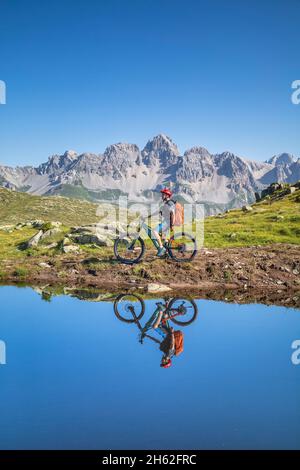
(50, 246)
(55, 224)
(37, 223)
(112, 228)
(44, 265)
(6, 228)
(91, 238)
(34, 241)
(71, 249)
(247, 209)
(154, 288)
(50, 233)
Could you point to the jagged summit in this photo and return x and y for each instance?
(161, 140)
(70, 154)
(160, 150)
(282, 159)
(198, 151)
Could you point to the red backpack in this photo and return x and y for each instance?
(179, 214)
(178, 340)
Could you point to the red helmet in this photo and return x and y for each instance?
(167, 192)
(166, 364)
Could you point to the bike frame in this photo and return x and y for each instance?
(150, 233)
(165, 321)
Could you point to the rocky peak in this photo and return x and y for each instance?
(118, 158)
(160, 150)
(58, 163)
(195, 165)
(70, 155)
(200, 152)
(282, 159)
(230, 165)
(121, 150)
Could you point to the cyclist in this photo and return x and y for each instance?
(167, 213)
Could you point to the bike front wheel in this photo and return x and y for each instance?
(129, 250)
(182, 247)
(185, 311)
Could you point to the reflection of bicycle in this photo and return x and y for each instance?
(130, 248)
(130, 308)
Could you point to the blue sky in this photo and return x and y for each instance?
(82, 75)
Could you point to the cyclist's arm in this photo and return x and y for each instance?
(172, 220)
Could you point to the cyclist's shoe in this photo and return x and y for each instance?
(161, 252)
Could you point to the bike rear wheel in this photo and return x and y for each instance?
(182, 247)
(128, 249)
(186, 307)
(124, 304)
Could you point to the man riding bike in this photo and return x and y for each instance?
(167, 213)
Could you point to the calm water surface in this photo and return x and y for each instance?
(76, 377)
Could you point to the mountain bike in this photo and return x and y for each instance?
(130, 308)
(130, 248)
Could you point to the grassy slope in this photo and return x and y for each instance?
(270, 221)
(19, 207)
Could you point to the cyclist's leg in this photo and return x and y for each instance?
(165, 231)
(156, 233)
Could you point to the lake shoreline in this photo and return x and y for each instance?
(266, 273)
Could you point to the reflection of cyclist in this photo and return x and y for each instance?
(167, 213)
(172, 340)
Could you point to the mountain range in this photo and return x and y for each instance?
(219, 180)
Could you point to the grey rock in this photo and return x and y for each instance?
(50, 233)
(37, 223)
(55, 224)
(44, 265)
(51, 245)
(91, 238)
(247, 208)
(7, 228)
(155, 288)
(34, 241)
(99, 228)
(66, 241)
(71, 249)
